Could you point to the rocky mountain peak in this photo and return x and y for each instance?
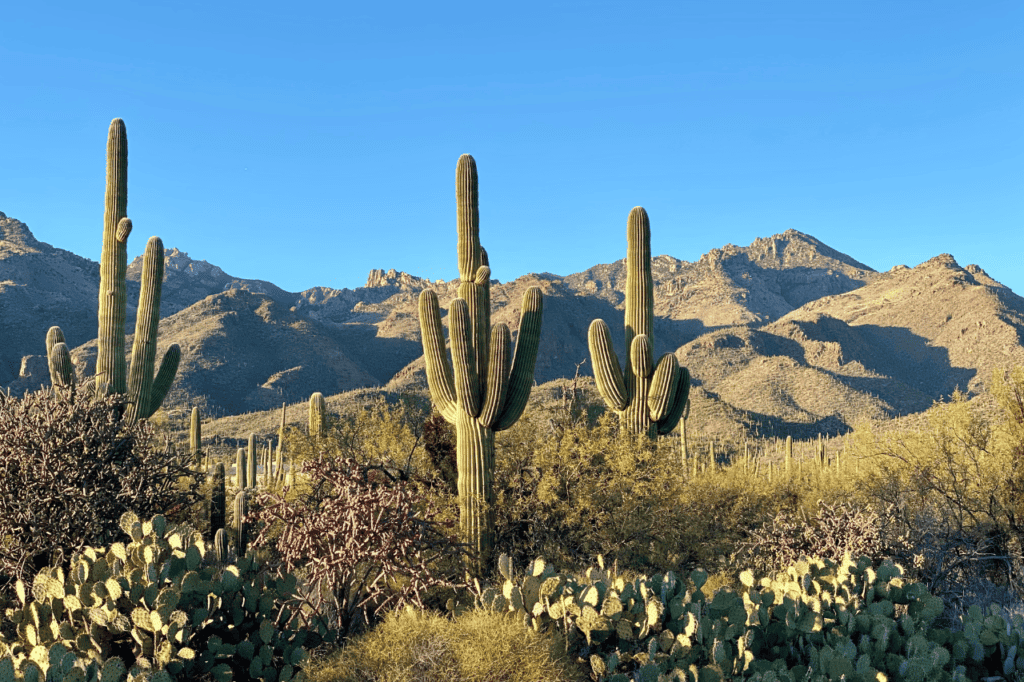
(15, 237)
(395, 278)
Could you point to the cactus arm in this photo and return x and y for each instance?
(467, 385)
(663, 386)
(520, 381)
(62, 371)
(606, 366)
(110, 360)
(54, 335)
(639, 280)
(140, 374)
(636, 416)
(439, 369)
(678, 403)
(467, 197)
(498, 375)
(163, 380)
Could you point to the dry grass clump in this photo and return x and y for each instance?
(477, 646)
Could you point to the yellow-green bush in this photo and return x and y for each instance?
(477, 646)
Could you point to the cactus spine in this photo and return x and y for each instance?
(648, 399)
(145, 394)
(484, 388)
(218, 499)
(317, 415)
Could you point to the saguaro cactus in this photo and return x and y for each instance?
(489, 387)
(250, 465)
(241, 481)
(195, 436)
(218, 498)
(649, 399)
(62, 371)
(241, 528)
(145, 394)
(317, 414)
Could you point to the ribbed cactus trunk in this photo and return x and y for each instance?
(241, 527)
(240, 478)
(484, 388)
(317, 415)
(195, 436)
(250, 462)
(649, 398)
(218, 499)
(110, 357)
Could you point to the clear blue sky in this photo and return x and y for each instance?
(306, 143)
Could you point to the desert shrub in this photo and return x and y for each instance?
(573, 491)
(477, 646)
(363, 540)
(377, 432)
(70, 466)
(834, 531)
(439, 445)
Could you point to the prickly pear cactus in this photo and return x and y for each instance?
(162, 604)
(817, 620)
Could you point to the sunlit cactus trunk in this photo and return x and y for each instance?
(110, 358)
(648, 397)
(483, 388)
(317, 415)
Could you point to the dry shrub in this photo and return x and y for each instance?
(363, 540)
(70, 466)
(477, 646)
(835, 530)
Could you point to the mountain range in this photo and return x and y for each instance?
(784, 336)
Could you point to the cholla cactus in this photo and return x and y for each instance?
(488, 388)
(648, 399)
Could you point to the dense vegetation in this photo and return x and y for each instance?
(489, 541)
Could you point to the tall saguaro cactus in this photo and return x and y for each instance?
(484, 388)
(649, 399)
(145, 393)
